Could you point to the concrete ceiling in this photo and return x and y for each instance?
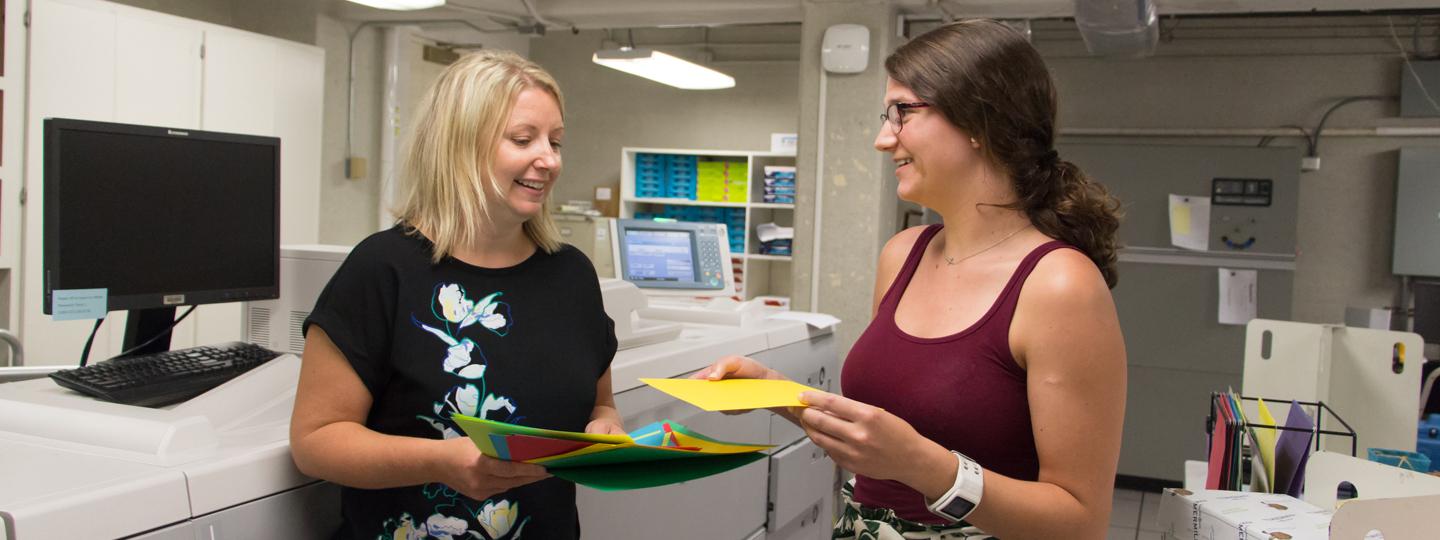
(588, 14)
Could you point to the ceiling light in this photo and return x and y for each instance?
(400, 5)
(663, 68)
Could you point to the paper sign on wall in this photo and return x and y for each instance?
(1190, 222)
(1237, 295)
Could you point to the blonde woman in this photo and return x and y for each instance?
(454, 310)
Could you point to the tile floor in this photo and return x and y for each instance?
(1132, 517)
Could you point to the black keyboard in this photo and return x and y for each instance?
(153, 380)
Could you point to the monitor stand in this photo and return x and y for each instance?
(143, 324)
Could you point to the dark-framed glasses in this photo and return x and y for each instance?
(895, 114)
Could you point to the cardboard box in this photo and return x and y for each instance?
(1236, 515)
(607, 199)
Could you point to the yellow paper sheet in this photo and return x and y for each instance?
(1265, 437)
(1180, 219)
(732, 394)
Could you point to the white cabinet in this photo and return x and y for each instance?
(157, 70)
(757, 274)
(13, 43)
(95, 60)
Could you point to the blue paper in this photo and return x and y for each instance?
(76, 304)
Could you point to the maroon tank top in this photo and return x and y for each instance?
(963, 391)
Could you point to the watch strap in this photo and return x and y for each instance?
(964, 495)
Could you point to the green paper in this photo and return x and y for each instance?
(618, 462)
(623, 454)
(639, 475)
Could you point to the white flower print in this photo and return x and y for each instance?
(497, 518)
(445, 527)
(458, 356)
(495, 403)
(455, 307)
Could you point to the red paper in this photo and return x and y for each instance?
(525, 447)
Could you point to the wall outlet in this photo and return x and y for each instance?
(1310, 163)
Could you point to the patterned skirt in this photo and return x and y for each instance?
(860, 522)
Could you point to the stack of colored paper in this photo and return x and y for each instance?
(1278, 461)
(612, 462)
(722, 181)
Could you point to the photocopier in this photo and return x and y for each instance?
(218, 466)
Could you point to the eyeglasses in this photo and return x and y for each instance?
(895, 114)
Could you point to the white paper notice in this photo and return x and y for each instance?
(1190, 222)
(1237, 295)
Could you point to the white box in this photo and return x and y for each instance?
(1226, 515)
(784, 143)
(1374, 318)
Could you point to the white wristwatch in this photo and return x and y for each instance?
(962, 498)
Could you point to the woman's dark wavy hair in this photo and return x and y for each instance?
(989, 81)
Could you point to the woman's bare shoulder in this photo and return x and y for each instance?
(1065, 277)
(898, 246)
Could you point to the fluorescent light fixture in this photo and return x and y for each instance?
(400, 5)
(663, 68)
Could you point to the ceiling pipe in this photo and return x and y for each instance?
(1118, 28)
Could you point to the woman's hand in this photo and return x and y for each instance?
(478, 476)
(737, 367)
(744, 367)
(605, 426)
(864, 439)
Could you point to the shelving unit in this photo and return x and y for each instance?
(756, 274)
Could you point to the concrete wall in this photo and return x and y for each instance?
(856, 184)
(350, 206)
(607, 110)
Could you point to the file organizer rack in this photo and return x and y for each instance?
(1241, 467)
(1319, 408)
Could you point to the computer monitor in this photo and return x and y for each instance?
(673, 257)
(158, 218)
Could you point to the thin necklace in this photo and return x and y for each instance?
(953, 261)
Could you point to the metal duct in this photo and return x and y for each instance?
(1118, 28)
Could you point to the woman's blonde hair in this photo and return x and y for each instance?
(457, 129)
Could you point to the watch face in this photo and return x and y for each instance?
(958, 508)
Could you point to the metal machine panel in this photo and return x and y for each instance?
(120, 497)
(304, 271)
(1414, 79)
(1417, 213)
(312, 511)
(801, 478)
(814, 524)
(809, 362)
(1143, 176)
(689, 510)
(1165, 419)
(1167, 298)
(1162, 306)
